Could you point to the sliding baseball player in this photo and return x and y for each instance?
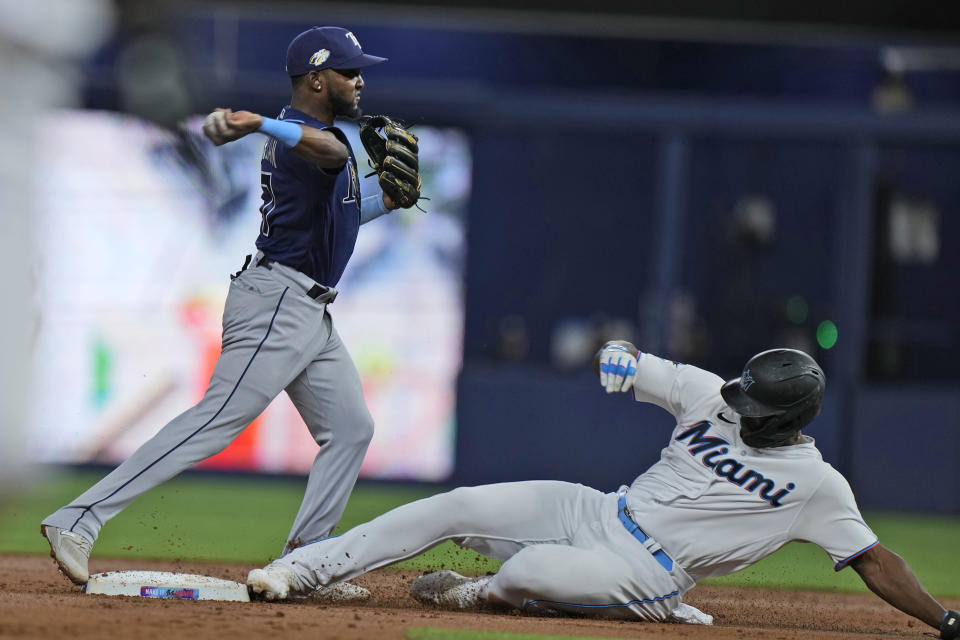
(736, 481)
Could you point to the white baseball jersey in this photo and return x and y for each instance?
(717, 505)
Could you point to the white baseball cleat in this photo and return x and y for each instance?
(341, 592)
(448, 589)
(272, 582)
(685, 614)
(70, 550)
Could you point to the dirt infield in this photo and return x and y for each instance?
(36, 602)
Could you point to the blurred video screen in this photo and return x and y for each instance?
(140, 229)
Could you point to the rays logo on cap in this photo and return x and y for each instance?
(319, 57)
(746, 380)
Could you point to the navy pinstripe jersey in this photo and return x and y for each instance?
(310, 216)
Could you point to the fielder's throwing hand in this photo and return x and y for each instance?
(223, 125)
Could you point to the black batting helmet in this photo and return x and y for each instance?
(782, 389)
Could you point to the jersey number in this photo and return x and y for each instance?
(269, 201)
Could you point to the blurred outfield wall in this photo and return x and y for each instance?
(707, 198)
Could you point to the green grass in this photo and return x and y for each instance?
(433, 633)
(210, 517)
(925, 542)
(246, 519)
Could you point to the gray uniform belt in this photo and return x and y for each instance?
(652, 545)
(318, 292)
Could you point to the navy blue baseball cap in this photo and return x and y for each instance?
(327, 48)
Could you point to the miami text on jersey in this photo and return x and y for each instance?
(712, 447)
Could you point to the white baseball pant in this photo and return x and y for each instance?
(563, 546)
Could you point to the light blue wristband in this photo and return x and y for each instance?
(289, 133)
(372, 207)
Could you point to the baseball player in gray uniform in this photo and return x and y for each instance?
(278, 333)
(737, 481)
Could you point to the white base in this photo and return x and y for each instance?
(163, 584)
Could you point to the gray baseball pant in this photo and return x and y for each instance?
(563, 546)
(275, 337)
